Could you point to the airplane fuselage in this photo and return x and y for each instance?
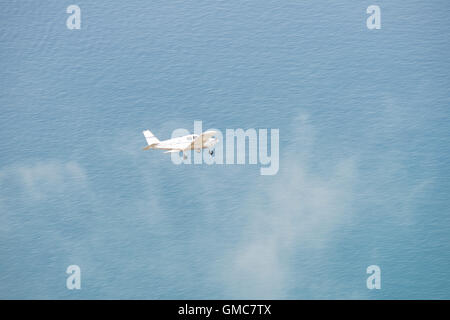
(206, 140)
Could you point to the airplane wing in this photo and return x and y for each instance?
(201, 139)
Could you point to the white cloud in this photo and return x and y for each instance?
(299, 210)
(42, 178)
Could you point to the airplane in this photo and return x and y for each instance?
(182, 144)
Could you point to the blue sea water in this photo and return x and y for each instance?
(364, 150)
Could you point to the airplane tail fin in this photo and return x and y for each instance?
(151, 139)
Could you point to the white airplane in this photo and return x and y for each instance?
(182, 144)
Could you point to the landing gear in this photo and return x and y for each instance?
(211, 153)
